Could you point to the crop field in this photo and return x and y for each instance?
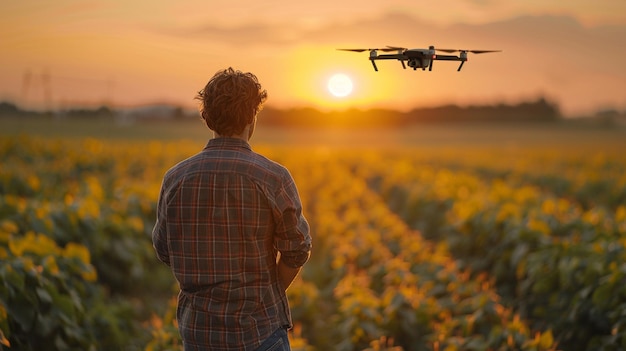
(457, 237)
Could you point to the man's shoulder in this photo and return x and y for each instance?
(268, 163)
(212, 161)
(182, 167)
(268, 168)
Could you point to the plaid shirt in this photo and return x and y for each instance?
(222, 217)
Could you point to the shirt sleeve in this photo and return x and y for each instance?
(159, 232)
(292, 239)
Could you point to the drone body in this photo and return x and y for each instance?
(418, 58)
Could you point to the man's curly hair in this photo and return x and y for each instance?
(231, 100)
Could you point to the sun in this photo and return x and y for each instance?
(340, 85)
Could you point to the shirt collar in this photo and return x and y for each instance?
(227, 142)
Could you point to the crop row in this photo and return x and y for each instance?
(390, 273)
(556, 261)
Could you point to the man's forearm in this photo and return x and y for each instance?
(286, 274)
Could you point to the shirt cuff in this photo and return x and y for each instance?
(294, 259)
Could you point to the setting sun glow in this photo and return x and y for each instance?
(340, 85)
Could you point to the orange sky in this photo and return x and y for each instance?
(65, 52)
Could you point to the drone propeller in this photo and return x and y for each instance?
(447, 50)
(483, 51)
(395, 48)
(374, 49)
(472, 51)
(355, 50)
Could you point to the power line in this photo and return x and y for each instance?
(44, 81)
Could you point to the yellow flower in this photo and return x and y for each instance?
(28, 263)
(50, 264)
(79, 251)
(73, 250)
(33, 182)
(7, 227)
(16, 247)
(89, 274)
(539, 225)
(136, 223)
(38, 244)
(546, 340)
(620, 214)
(95, 189)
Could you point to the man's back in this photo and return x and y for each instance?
(223, 215)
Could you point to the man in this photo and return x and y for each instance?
(230, 225)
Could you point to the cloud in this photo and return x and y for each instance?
(284, 34)
(250, 35)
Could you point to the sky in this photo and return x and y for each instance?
(65, 53)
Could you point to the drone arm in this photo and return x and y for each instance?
(391, 57)
(452, 58)
(386, 57)
(447, 58)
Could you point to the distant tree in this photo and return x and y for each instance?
(7, 108)
(103, 111)
(607, 117)
(539, 110)
(178, 113)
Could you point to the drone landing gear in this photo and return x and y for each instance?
(374, 64)
(460, 66)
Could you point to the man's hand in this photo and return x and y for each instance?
(286, 274)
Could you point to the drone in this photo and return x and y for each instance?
(418, 58)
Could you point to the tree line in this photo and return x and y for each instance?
(540, 110)
(536, 111)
